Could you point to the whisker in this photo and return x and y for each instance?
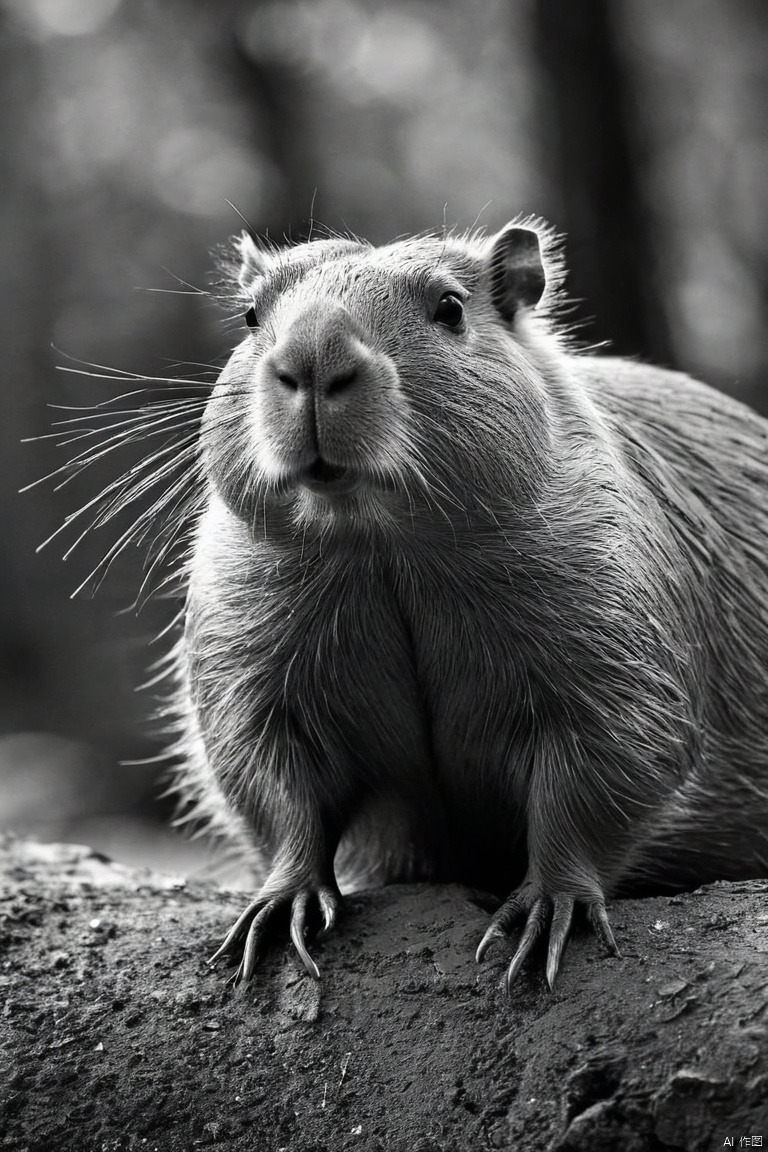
(113, 376)
(120, 485)
(87, 457)
(144, 410)
(136, 531)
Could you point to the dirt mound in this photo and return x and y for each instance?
(117, 1037)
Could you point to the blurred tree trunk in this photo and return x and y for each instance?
(595, 166)
(282, 96)
(28, 630)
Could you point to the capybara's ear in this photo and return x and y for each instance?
(516, 270)
(254, 262)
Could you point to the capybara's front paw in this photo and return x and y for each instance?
(536, 907)
(250, 934)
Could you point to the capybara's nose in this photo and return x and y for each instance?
(322, 352)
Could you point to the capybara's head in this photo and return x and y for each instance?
(373, 381)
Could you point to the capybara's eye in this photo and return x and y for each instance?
(251, 318)
(449, 311)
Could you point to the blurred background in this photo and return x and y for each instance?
(137, 133)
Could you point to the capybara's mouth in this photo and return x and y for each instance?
(328, 479)
(326, 473)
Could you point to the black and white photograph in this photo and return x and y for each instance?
(384, 582)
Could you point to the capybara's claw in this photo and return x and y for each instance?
(255, 942)
(494, 932)
(598, 918)
(534, 927)
(298, 930)
(328, 900)
(536, 909)
(234, 938)
(249, 935)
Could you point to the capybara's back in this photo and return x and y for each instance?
(704, 457)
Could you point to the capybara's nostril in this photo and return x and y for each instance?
(341, 382)
(289, 381)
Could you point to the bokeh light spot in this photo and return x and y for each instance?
(197, 170)
(63, 17)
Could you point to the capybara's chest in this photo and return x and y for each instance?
(437, 669)
(434, 677)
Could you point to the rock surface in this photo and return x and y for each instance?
(117, 1036)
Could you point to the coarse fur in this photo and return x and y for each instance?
(465, 603)
(530, 648)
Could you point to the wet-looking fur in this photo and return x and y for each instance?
(466, 604)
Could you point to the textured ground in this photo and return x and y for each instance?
(116, 1036)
